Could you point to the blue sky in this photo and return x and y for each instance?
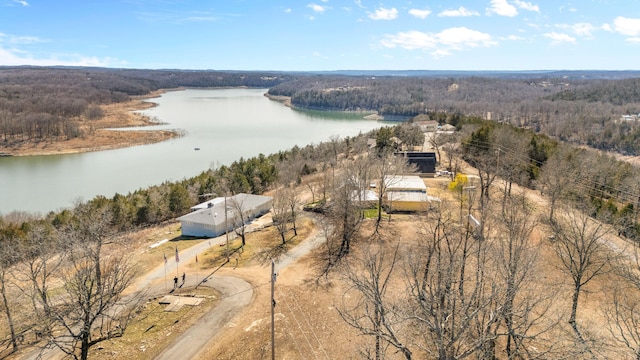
(314, 35)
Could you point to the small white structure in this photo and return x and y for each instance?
(409, 183)
(427, 125)
(407, 193)
(212, 219)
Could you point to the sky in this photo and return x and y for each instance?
(318, 35)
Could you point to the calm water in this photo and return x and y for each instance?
(225, 124)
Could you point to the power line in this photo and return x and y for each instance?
(299, 327)
(309, 324)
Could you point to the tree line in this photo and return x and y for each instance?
(585, 112)
(50, 103)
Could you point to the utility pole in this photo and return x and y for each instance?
(226, 226)
(273, 307)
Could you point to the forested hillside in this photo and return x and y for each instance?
(47, 103)
(581, 111)
(584, 108)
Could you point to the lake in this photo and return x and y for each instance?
(224, 124)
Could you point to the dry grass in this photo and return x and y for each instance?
(95, 134)
(153, 327)
(307, 323)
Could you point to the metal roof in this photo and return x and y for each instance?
(214, 214)
(405, 182)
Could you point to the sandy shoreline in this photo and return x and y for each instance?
(97, 134)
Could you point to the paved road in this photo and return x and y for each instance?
(236, 294)
(152, 284)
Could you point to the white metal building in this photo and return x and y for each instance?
(211, 219)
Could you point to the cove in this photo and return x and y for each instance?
(223, 124)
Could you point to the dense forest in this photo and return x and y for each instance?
(581, 111)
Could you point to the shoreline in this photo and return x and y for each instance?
(99, 135)
(286, 101)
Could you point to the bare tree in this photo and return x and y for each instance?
(554, 178)
(7, 258)
(91, 308)
(366, 305)
(512, 148)
(239, 217)
(436, 141)
(623, 310)
(345, 211)
(524, 307)
(583, 253)
(386, 169)
(451, 146)
(281, 212)
(293, 201)
(42, 257)
(450, 296)
(623, 320)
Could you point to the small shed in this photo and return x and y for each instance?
(212, 219)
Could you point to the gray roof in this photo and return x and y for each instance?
(405, 182)
(213, 212)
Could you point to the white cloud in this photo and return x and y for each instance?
(410, 40)
(627, 26)
(442, 43)
(583, 29)
(461, 11)
(633, 40)
(287, 10)
(384, 14)
(463, 37)
(318, 54)
(579, 29)
(526, 5)
(502, 8)
(606, 27)
(17, 39)
(422, 14)
(201, 18)
(440, 53)
(21, 2)
(12, 57)
(316, 8)
(513, 37)
(559, 38)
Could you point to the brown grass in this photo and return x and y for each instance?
(95, 136)
(153, 328)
